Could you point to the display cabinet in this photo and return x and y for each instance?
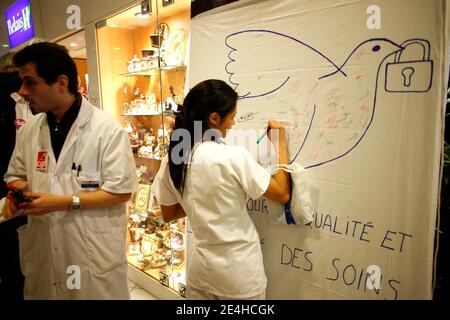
(142, 64)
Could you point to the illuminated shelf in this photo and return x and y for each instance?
(166, 113)
(155, 159)
(151, 71)
(141, 114)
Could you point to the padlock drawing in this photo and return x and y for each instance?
(411, 75)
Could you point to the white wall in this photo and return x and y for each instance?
(55, 16)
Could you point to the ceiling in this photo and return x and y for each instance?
(76, 44)
(128, 20)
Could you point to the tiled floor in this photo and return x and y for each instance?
(137, 293)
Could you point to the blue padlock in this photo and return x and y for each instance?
(412, 75)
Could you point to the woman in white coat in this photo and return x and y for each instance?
(210, 183)
(73, 246)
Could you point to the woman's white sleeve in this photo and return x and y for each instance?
(163, 188)
(253, 178)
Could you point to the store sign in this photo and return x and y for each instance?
(19, 23)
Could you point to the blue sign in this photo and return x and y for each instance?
(19, 23)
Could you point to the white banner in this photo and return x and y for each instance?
(360, 87)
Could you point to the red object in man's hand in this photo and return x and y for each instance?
(16, 197)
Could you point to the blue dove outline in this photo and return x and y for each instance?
(232, 49)
(338, 69)
(373, 108)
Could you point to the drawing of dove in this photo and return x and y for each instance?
(329, 107)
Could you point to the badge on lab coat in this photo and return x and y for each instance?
(89, 180)
(42, 161)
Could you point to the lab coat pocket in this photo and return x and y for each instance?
(24, 249)
(106, 250)
(34, 252)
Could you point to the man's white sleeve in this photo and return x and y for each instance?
(118, 166)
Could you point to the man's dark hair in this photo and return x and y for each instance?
(51, 61)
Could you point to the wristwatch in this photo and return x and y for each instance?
(75, 205)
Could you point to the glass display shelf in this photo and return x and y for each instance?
(166, 113)
(151, 71)
(141, 114)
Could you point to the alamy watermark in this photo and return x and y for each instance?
(265, 153)
(73, 281)
(374, 20)
(74, 17)
(374, 277)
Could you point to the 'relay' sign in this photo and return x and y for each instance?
(19, 23)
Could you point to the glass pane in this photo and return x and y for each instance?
(142, 74)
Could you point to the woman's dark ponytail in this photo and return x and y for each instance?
(205, 98)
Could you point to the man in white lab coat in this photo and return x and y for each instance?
(75, 163)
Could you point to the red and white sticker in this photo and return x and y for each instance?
(42, 161)
(19, 123)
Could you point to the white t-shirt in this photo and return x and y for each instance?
(23, 111)
(2, 204)
(227, 259)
